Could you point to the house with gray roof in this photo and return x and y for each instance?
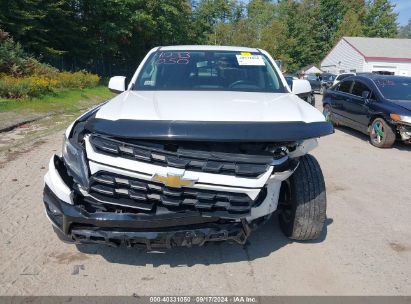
(362, 54)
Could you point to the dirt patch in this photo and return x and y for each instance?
(398, 247)
(13, 154)
(77, 268)
(147, 278)
(335, 188)
(13, 119)
(68, 257)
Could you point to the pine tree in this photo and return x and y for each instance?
(380, 19)
(405, 31)
(331, 14)
(350, 26)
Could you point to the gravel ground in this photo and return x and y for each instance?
(365, 249)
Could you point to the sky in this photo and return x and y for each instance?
(403, 7)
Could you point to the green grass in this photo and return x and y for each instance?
(66, 100)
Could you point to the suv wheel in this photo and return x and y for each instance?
(381, 134)
(303, 201)
(311, 100)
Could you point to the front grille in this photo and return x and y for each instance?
(147, 196)
(247, 165)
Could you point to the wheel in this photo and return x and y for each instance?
(311, 100)
(381, 134)
(303, 201)
(328, 114)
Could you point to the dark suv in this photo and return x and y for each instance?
(321, 82)
(377, 105)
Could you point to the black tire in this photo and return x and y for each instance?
(311, 100)
(381, 134)
(321, 90)
(303, 201)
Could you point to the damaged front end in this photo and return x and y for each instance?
(156, 191)
(405, 133)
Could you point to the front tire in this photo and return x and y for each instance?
(303, 201)
(311, 100)
(381, 134)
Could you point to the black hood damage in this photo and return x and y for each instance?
(208, 130)
(218, 131)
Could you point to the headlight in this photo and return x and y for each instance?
(402, 118)
(75, 160)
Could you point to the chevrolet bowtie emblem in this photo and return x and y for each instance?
(173, 180)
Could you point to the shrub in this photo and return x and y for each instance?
(22, 76)
(36, 68)
(23, 87)
(36, 85)
(13, 59)
(16, 62)
(79, 79)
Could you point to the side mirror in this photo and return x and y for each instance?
(365, 95)
(117, 84)
(300, 86)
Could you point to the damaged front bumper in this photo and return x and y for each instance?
(74, 223)
(405, 132)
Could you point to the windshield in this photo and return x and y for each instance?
(328, 77)
(312, 77)
(289, 80)
(395, 89)
(343, 76)
(209, 71)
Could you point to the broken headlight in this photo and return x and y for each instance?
(401, 118)
(75, 160)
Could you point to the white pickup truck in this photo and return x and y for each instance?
(205, 144)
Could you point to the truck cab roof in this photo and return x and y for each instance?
(207, 48)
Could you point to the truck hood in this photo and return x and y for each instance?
(208, 116)
(208, 106)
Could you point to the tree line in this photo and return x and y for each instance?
(111, 36)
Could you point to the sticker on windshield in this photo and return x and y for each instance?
(245, 54)
(173, 58)
(250, 60)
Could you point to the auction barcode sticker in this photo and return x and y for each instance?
(250, 60)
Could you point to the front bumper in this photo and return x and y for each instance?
(405, 132)
(73, 221)
(158, 231)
